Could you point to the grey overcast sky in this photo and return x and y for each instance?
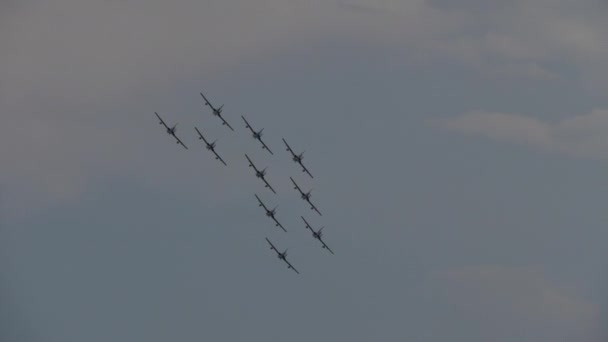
(459, 150)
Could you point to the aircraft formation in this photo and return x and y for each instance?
(259, 173)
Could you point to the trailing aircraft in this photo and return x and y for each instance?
(257, 135)
(317, 234)
(282, 256)
(270, 213)
(260, 173)
(217, 111)
(297, 158)
(305, 196)
(171, 130)
(210, 146)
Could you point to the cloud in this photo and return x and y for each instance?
(509, 303)
(74, 73)
(584, 135)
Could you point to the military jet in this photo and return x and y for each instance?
(270, 213)
(317, 235)
(260, 173)
(282, 256)
(217, 111)
(170, 130)
(210, 146)
(297, 158)
(305, 196)
(257, 135)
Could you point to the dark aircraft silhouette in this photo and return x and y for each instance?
(305, 196)
(210, 146)
(297, 158)
(282, 256)
(317, 235)
(170, 130)
(270, 213)
(260, 173)
(217, 111)
(257, 135)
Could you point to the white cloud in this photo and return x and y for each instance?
(581, 136)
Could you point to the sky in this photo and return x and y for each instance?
(459, 152)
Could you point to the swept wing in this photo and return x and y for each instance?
(200, 135)
(312, 206)
(261, 203)
(179, 141)
(278, 224)
(305, 169)
(161, 120)
(268, 185)
(297, 187)
(251, 163)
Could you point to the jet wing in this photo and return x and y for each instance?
(251, 163)
(268, 185)
(289, 148)
(179, 141)
(326, 247)
(290, 266)
(279, 224)
(207, 102)
(161, 120)
(266, 147)
(304, 169)
(272, 246)
(261, 203)
(217, 156)
(296, 185)
(225, 123)
(312, 206)
(307, 225)
(248, 125)
(200, 135)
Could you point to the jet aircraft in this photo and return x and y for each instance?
(282, 256)
(257, 135)
(305, 196)
(270, 213)
(170, 130)
(260, 173)
(317, 234)
(297, 158)
(210, 146)
(217, 111)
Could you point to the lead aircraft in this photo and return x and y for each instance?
(270, 213)
(257, 135)
(317, 234)
(171, 130)
(210, 146)
(217, 111)
(260, 173)
(297, 158)
(305, 196)
(282, 256)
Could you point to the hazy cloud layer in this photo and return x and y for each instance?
(78, 70)
(583, 135)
